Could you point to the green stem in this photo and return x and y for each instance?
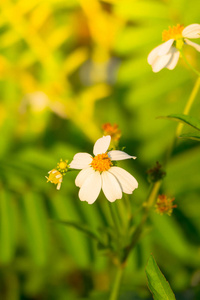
(185, 112)
(128, 206)
(137, 234)
(189, 104)
(116, 286)
(189, 65)
(114, 217)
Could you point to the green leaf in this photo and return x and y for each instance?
(191, 135)
(7, 228)
(157, 283)
(191, 121)
(35, 218)
(81, 227)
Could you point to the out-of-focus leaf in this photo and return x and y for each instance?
(7, 228)
(138, 94)
(63, 209)
(171, 237)
(192, 136)
(129, 39)
(135, 9)
(81, 227)
(191, 121)
(157, 283)
(36, 227)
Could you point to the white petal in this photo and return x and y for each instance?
(196, 46)
(111, 187)
(101, 145)
(119, 155)
(58, 186)
(192, 31)
(81, 161)
(153, 55)
(165, 47)
(82, 176)
(173, 61)
(91, 188)
(159, 51)
(161, 62)
(127, 182)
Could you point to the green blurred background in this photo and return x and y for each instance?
(66, 68)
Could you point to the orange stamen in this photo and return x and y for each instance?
(174, 32)
(101, 162)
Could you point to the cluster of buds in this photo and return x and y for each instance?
(56, 175)
(164, 205)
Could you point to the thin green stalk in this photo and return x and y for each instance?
(189, 65)
(114, 217)
(189, 104)
(128, 206)
(180, 125)
(137, 234)
(122, 212)
(116, 286)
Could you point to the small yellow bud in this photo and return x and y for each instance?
(62, 166)
(55, 177)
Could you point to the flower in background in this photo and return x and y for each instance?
(99, 172)
(167, 54)
(112, 130)
(164, 205)
(156, 173)
(56, 175)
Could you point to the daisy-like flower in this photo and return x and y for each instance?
(167, 54)
(98, 172)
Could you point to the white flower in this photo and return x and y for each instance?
(167, 54)
(98, 172)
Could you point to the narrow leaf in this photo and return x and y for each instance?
(191, 135)
(36, 227)
(81, 227)
(7, 228)
(157, 283)
(191, 121)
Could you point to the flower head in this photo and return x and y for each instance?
(164, 205)
(56, 175)
(167, 54)
(99, 172)
(156, 173)
(112, 130)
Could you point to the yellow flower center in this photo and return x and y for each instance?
(54, 176)
(174, 32)
(101, 162)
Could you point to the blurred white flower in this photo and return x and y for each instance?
(98, 172)
(167, 54)
(38, 102)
